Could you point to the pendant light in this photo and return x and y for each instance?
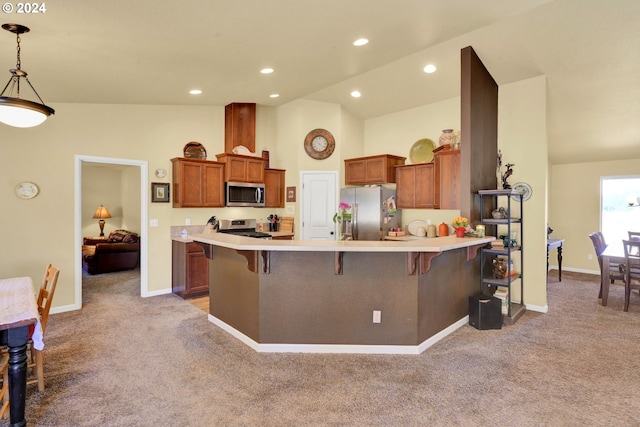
(15, 111)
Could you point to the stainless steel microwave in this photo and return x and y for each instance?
(245, 194)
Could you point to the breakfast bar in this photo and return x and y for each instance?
(394, 297)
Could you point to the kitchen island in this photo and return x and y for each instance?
(395, 297)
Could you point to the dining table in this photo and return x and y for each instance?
(18, 311)
(613, 254)
(555, 244)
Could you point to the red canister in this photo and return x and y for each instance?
(443, 230)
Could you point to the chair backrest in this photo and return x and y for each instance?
(632, 254)
(634, 235)
(598, 242)
(45, 296)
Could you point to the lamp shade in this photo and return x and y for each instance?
(22, 113)
(101, 213)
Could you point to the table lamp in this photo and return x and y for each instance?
(101, 214)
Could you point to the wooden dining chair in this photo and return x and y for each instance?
(45, 297)
(634, 235)
(4, 391)
(599, 245)
(631, 269)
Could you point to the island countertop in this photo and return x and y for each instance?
(435, 244)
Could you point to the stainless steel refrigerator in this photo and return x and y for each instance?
(374, 211)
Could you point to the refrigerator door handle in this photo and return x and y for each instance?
(354, 224)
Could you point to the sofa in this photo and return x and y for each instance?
(119, 251)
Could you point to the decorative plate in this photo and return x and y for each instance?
(414, 225)
(522, 188)
(422, 151)
(195, 150)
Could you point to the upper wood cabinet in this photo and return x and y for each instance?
(242, 168)
(239, 126)
(197, 183)
(447, 178)
(415, 186)
(378, 169)
(274, 188)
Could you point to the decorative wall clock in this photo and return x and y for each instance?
(319, 144)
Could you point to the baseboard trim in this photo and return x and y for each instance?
(338, 348)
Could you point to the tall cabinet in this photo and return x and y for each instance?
(509, 236)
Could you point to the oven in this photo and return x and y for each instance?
(242, 227)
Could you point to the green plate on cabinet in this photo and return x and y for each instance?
(422, 151)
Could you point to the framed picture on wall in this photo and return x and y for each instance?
(291, 194)
(160, 192)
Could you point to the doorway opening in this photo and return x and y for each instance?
(619, 206)
(78, 215)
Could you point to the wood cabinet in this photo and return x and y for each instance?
(282, 237)
(378, 169)
(447, 179)
(239, 126)
(190, 270)
(239, 168)
(274, 188)
(197, 183)
(415, 186)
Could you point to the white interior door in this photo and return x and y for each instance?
(319, 204)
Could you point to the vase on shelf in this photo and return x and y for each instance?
(460, 231)
(447, 138)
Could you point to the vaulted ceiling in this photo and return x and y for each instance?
(154, 52)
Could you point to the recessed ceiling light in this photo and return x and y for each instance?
(274, 95)
(266, 70)
(360, 42)
(430, 69)
(195, 92)
(356, 94)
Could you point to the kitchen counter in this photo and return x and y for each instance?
(399, 244)
(321, 296)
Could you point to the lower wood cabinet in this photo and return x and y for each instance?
(190, 270)
(415, 186)
(274, 188)
(282, 238)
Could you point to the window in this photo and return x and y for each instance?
(619, 204)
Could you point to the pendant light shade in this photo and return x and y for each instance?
(15, 111)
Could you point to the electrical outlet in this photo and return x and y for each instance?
(589, 257)
(291, 209)
(153, 223)
(377, 314)
(187, 221)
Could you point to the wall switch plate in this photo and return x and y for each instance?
(153, 223)
(377, 314)
(187, 221)
(589, 257)
(291, 210)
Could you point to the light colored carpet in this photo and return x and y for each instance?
(127, 361)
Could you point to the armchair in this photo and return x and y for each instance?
(120, 251)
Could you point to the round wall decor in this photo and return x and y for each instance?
(319, 144)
